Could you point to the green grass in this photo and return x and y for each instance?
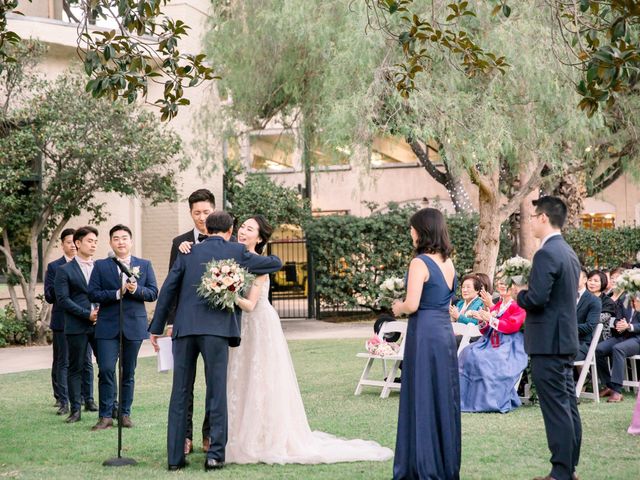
(35, 443)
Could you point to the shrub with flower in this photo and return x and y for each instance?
(516, 271)
(629, 281)
(222, 282)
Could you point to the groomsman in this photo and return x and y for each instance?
(551, 335)
(71, 292)
(201, 204)
(60, 364)
(107, 287)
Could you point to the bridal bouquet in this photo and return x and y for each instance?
(222, 282)
(629, 281)
(516, 270)
(377, 346)
(391, 289)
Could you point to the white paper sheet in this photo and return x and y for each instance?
(165, 354)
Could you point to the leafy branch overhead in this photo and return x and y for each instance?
(600, 37)
(143, 48)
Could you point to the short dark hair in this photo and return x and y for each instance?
(477, 283)
(66, 232)
(265, 231)
(584, 270)
(219, 222)
(616, 270)
(603, 278)
(433, 236)
(486, 282)
(117, 227)
(202, 195)
(82, 232)
(553, 208)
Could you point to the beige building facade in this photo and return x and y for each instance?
(344, 182)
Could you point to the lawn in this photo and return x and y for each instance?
(35, 443)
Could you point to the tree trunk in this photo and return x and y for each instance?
(573, 191)
(528, 243)
(487, 243)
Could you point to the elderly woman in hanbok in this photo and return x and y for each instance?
(491, 367)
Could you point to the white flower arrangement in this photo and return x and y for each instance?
(222, 282)
(391, 289)
(135, 271)
(629, 281)
(516, 271)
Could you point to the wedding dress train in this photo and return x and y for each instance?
(267, 420)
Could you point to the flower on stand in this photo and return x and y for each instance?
(516, 271)
(391, 289)
(222, 282)
(629, 281)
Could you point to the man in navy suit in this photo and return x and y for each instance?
(59, 368)
(201, 329)
(107, 288)
(202, 203)
(588, 315)
(551, 335)
(624, 343)
(72, 293)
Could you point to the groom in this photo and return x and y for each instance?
(551, 335)
(201, 329)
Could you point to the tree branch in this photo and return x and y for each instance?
(423, 157)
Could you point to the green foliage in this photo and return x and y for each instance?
(12, 331)
(261, 195)
(353, 255)
(606, 248)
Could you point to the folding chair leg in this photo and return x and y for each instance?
(364, 376)
(390, 379)
(594, 382)
(584, 369)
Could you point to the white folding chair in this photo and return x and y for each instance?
(388, 383)
(468, 331)
(633, 382)
(589, 363)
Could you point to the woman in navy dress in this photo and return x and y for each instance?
(428, 444)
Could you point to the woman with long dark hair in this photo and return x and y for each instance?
(428, 442)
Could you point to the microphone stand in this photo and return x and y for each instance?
(120, 461)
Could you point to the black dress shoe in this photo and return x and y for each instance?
(90, 406)
(74, 417)
(213, 464)
(63, 410)
(175, 468)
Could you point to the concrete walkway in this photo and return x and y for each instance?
(22, 359)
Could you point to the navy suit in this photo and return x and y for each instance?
(72, 294)
(104, 285)
(60, 366)
(551, 339)
(199, 328)
(588, 317)
(618, 348)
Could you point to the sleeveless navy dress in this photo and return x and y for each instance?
(428, 444)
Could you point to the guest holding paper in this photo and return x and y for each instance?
(107, 287)
(490, 368)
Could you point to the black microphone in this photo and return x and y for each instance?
(130, 277)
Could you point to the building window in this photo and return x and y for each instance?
(275, 152)
(326, 156)
(392, 151)
(598, 221)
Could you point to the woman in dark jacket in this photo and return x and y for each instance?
(597, 284)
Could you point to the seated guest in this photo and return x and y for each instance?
(471, 301)
(588, 314)
(597, 284)
(491, 367)
(614, 292)
(489, 297)
(624, 343)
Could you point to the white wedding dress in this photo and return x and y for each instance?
(267, 421)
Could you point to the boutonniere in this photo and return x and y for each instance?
(135, 271)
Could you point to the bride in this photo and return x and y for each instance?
(267, 420)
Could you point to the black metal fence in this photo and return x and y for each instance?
(290, 292)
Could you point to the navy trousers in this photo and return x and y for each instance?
(215, 352)
(109, 351)
(618, 348)
(78, 382)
